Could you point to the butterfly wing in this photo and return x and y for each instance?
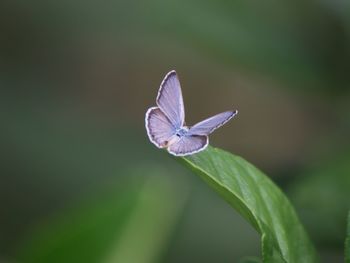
(159, 128)
(170, 100)
(209, 125)
(187, 145)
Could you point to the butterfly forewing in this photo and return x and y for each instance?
(159, 128)
(170, 100)
(209, 125)
(188, 145)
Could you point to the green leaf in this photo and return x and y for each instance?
(126, 226)
(347, 242)
(259, 201)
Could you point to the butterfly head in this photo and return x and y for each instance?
(181, 132)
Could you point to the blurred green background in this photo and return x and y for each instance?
(80, 182)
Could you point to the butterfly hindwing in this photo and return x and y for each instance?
(188, 145)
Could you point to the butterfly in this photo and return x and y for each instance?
(165, 124)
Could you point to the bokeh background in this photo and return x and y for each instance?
(80, 182)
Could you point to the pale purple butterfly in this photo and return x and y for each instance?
(165, 124)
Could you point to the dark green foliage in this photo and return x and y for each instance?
(124, 225)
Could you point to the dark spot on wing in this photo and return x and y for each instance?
(164, 144)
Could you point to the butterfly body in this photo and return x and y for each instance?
(183, 131)
(165, 124)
